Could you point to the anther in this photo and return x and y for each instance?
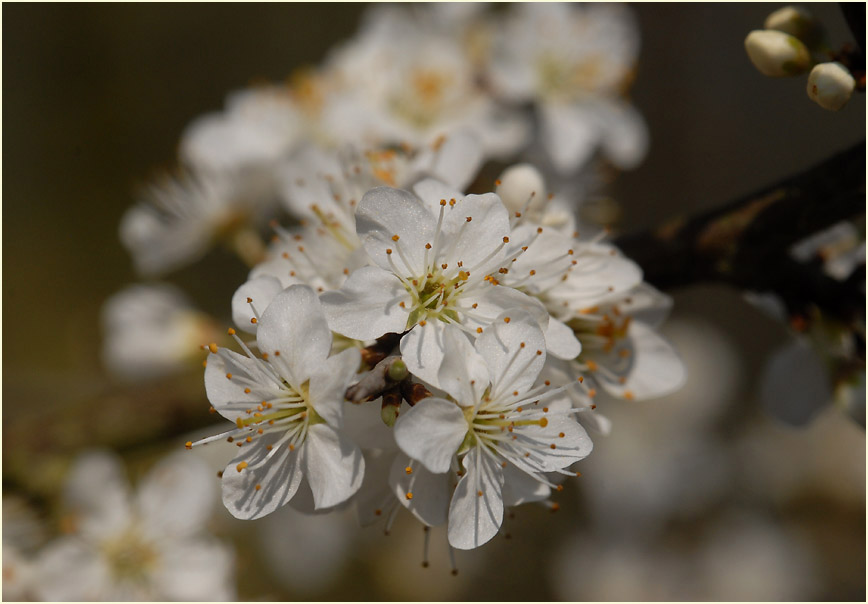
(479, 493)
(228, 376)
(543, 422)
(249, 300)
(506, 239)
(241, 466)
(253, 320)
(259, 486)
(409, 496)
(427, 246)
(231, 332)
(189, 444)
(395, 238)
(212, 347)
(469, 218)
(478, 330)
(408, 470)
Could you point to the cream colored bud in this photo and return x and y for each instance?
(777, 54)
(521, 188)
(796, 21)
(831, 85)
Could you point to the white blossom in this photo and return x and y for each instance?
(287, 407)
(150, 546)
(495, 430)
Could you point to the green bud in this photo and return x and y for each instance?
(389, 414)
(398, 371)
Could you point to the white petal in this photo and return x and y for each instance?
(196, 570)
(261, 291)
(457, 160)
(511, 366)
(625, 134)
(573, 446)
(385, 212)
(475, 243)
(432, 192)
(294, 325)
(222, 391)
(520, 487)
(177, 496)
(656, 369)
(492, 300)
(431, 433)
(366, 306)
(423, 350)
(329, 384)
(278, 479)
(570, 134)
(71, 570)
(463, 373)
(96, 490)
(476, 509)
(561, 342)
(429, 492)
(334, 466)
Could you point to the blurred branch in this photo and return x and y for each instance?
(745, 243)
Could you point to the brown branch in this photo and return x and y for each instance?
(745, 242)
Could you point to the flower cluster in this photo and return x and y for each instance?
(419, 334)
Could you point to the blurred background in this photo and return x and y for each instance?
(701, 495)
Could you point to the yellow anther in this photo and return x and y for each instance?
(212, 347)
(479, 493)
(409, 496)
(253, 320)
(553, 446)
(189, 444)
(249, 439)
(427, 246)
(478, 330)
(249, 300)
(443, 266)
(560, 487)
(408, 470)
(259, 486)
(395, 238)
(241, 466)
(228, 376)
(212, 410)
(506, 319)
(231, 331)
(506, 239)
(388, 250)
(561, 435)
(247, 391)
(538, 352)
(592, 366)
(423, 323)
(452, 202)
(469, 218)
(442, 202)
(291, 447)
(628, 395)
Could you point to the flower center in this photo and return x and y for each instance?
(130, 557)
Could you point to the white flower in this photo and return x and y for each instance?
(406, 79)
(574, 62)
(178, 219)
(622, 351)
(433, 256)
(506, 432)
(147, 547)
(151, 331)
(258, 128)
(288, 410)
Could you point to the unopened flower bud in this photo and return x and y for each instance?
(831, 85)
(777, 54)
(521, 188)
(796, 21)
(398, 370)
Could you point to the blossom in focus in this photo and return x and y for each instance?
(151, 331)
(496, 430)
(287, 407)
(434, 253)
(146, 546)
